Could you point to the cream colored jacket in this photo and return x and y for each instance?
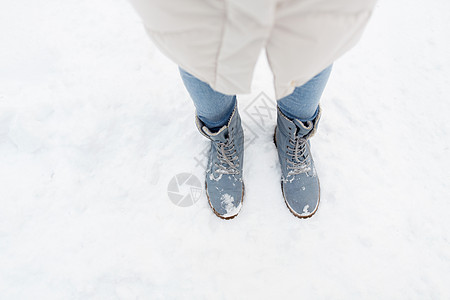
(219, 41)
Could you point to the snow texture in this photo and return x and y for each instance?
(95, 122)
(226, 201)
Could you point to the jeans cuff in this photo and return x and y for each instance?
(287, 114)
(223, 121)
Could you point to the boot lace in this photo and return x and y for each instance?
(227, 156)
(298, 159)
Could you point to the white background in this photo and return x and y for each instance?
(94, 122)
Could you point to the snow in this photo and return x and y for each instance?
(226, 202)
(211, 176)
(305, 210)
(95, 122)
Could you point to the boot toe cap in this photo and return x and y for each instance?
(226, 203)
(302, 198)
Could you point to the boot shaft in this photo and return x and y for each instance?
(293, 146)
(230, 131)
(295, 127)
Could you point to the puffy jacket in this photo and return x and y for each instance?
(219, 41)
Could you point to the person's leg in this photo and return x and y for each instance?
(303, 103)
(217, 118)
(297, 117)
(213, 108)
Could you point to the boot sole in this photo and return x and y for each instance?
(282, 191)
(215, 212)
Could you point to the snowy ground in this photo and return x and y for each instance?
(95, 122)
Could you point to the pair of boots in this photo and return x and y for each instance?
(299, 181)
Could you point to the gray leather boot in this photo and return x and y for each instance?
(299, 181)
(223, 182)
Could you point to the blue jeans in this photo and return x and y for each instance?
(214, 108)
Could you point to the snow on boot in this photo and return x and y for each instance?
(299, 181)
(223, 183)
